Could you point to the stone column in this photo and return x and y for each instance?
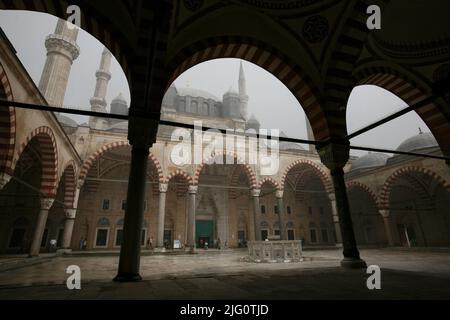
(70, 218)
(191, 218)
(280, 205)
(141, 134)
(387, 226)
(68, 228)
(337, 227)
(161, 214)
(256, 213)
(46, 204)
(335, 156)
(4, 179)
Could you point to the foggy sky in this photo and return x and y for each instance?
(271, 102)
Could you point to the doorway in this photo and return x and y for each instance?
(204, 233)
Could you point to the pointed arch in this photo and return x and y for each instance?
(270, 181)
(393, 178)
(247, 169)
(91, 160)
(411, 89)
(49, 158)
(266, 57)
(319, 170)
(358, 185)
(7, 125)
(69, 176)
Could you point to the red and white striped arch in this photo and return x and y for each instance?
(7, 125)
(239, 162)
(270, 181)
(49, 158)
(321, 173)
(275, 63)
(393, 178)
(91, 160)
(69, 175)
(410, 91)
(353, 185)
(181, 174)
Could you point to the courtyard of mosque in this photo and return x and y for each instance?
(213, 274)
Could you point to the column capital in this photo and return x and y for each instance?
(80, 183)
(193, 189)
(142, 130)
(163, 187)
(46, 203)
(332, 196)
(4, 179)
(335, 154)
(279, 194)
(70, 213)
(384, 213)
(256, 192)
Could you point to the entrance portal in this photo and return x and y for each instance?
(204, 233)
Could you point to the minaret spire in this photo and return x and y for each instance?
(243, 97)
(98, 101)
(62, 50)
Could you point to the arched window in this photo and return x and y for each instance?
(204, 109)
(194, 107)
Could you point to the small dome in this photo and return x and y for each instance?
(370, 160)
(291, 146)
(119, 99)
(120, 126)
(253, 120)
(231, 92)
(420, 141)
(67, 122)
(196, 93)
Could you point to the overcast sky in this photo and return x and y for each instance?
(271, 102)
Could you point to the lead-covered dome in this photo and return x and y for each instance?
(196, 93)
(370, 160)
(418, 142)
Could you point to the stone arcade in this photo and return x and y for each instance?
(111, 183)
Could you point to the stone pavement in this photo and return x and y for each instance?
(223, 275)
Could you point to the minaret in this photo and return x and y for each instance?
(243, 97)
(98, 101)
(62, 50)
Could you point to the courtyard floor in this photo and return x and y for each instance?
(405, 274)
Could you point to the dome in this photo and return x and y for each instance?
(289, 145)
(252, 123)
(252, 120)
(67, 122)
(196, 93)
(119, 99)
(420, 141)
(122, 126)
(231, 92)
(370, 160)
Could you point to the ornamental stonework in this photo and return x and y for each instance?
(316, 29)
